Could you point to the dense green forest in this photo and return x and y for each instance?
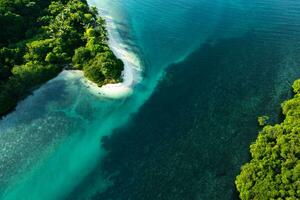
(39, 38)
(274, 171)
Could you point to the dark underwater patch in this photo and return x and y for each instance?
(190, 138)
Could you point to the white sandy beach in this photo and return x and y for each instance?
(132, 66)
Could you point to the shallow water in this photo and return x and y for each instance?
(190, 137)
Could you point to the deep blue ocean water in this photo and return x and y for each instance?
(210, 69)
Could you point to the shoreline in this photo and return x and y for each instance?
(132, 73)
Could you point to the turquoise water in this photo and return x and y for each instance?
(235, 60)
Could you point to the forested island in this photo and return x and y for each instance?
(274, 171)
(40, 38)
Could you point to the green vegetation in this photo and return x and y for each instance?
(274, 171)
(39, 38)
(263, 120)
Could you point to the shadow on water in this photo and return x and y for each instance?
(190, 138)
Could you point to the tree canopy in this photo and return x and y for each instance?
(40, 38)
(274, 171)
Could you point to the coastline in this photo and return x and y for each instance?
(40, 66)
(132, 73)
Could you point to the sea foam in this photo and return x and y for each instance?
(131, 74)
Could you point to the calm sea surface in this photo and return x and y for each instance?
(210, 68)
